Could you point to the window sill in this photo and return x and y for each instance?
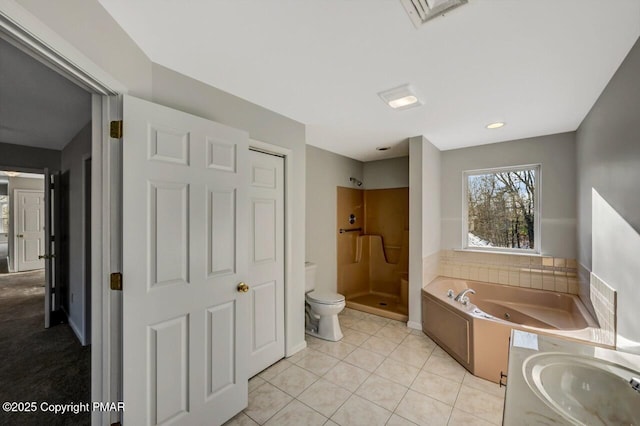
(514, 253)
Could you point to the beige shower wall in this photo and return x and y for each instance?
(373, 263)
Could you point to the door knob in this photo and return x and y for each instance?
(243, 288)
(20, 236)
(42, 256)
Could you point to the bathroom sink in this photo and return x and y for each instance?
(583, 390)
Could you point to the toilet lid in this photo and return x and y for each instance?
(325, 297)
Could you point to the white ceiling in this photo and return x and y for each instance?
(38, 107)
(538, 65)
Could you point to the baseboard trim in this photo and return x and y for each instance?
(414, 325)
(297, 348)
(76, 331)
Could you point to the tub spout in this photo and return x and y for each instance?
(462, 297)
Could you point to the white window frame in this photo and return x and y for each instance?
(2, 230)
(537, 208)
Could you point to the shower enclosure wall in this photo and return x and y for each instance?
(373, 250)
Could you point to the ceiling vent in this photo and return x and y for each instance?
(421, 11)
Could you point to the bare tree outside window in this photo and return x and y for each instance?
(502, 208)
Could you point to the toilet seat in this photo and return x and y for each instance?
(324, 297)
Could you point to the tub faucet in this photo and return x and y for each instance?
(462, 297)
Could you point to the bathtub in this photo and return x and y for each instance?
(477, 335)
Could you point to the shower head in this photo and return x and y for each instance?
(356, 181)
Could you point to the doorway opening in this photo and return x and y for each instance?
(45, 315)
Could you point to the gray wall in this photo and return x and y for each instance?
(608, 153)
(556, 154)
(73, 156)
(18, 183)
(91, 30)
(28, 159)
(391, 173)
(425, 161)
(325, 172)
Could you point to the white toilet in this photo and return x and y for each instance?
(322, 308)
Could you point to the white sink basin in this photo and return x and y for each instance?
(583, 390)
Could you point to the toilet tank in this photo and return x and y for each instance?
(309, 276)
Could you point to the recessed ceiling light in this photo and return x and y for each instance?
(383, 148)
(401, 97)
(495, 125)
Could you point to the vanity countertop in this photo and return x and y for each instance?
(522, 406)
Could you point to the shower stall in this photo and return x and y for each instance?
(373, 250)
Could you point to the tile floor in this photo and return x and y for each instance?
(381, 373)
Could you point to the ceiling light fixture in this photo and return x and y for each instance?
(383, 148)
(495, 125)
(401, 97)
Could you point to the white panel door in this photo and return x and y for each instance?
(29, 231)
(185, 239)
(266, 260)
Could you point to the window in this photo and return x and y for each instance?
(502, 209)
(4, 213)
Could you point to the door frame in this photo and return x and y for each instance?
(15, 222)
(27, 33)
(289, 299)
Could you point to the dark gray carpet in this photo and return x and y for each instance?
(38, 364)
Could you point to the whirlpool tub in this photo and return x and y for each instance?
(477, 334)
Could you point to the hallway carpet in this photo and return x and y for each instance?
(38, 364)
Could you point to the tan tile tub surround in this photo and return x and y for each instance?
(477, 335)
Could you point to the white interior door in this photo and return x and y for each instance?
(266, 260)
(29, 229)
(185, 239)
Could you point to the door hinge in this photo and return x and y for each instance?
(115, 129)
(116, 281)
(52, 185)
(116, 424)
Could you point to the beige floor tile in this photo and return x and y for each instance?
(299, 355)
(265, 401)
(460, 418)
(423, 410)
(417, 332)
(379, 345)
(275, 369)
(241, 419)
(337, 349)
(365, 359)
(354, 337)
(255, 382)
(318, 363)
(348, 312)
(294, 380)
(483, 385)
(437, 387)
(421, 342)
(348, 322)
(397, 372)
(366, 326)
(314, 343)
(480, 404)
(376, 319)
(331, 423)
(382, 392)
(413, 357)
(391, 333)
(360, 412)
(296, 414)
(396, 420)
(445, 367)
(438, 351)
(346, 375)
(324, 397)
(399, 325)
